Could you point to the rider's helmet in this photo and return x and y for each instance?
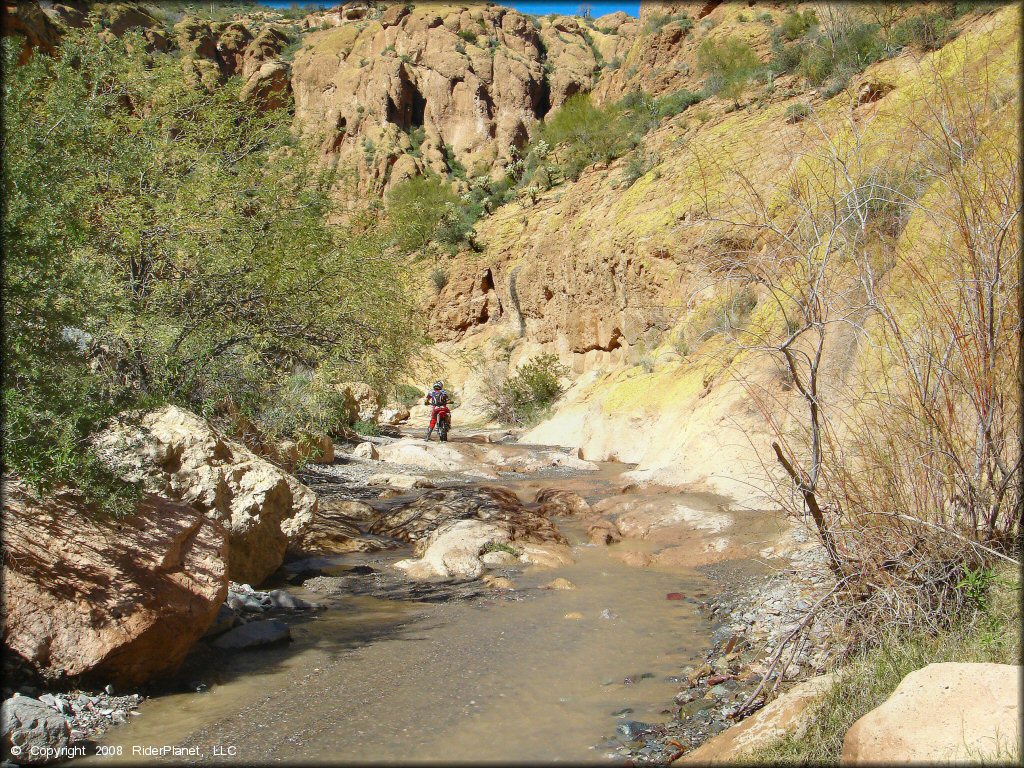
(438, 385)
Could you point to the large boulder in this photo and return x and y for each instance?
(176, 454)
(269, 86)
(414, 452)
(450, 530)
(364, 402)
(789, 714)
(33, 733)
(454, 550)
(117, 600)
(943, 713)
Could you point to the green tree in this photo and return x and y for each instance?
(183, 235)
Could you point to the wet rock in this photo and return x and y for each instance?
(30, 726)
(399, 482)
(498, 582)
(560, 584)
(498, 559)
(623, 712)
(561, 503)
(286, 601)
(633, 729)
(573, 616)
(418, 519)
(254, 634)
(226, 619)
(603, 532)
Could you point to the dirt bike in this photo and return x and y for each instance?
(444, 422)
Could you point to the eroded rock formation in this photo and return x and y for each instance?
(119, 600)
(178, 455)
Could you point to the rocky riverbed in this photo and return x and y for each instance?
(649, 702)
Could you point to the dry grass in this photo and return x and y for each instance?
(991, 634)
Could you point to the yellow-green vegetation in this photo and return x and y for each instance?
(990, 635)
(524, 397)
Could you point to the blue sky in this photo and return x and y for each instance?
(537, 7)
(597, 7)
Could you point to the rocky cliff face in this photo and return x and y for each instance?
(397, 90)
(614, 277)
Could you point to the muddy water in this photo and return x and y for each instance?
(503, 678)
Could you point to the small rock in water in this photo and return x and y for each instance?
(623, 712)
(254, 634)
(575, 615)
(281, 599)
(607, 614)
(632, 729)
(674, 596)
(562, 584)
(119, 718)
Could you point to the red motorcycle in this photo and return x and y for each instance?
(442, 417)
(444, 422)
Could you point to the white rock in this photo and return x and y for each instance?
(365, 451)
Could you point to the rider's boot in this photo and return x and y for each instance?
(427, 438)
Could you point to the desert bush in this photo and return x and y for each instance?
(468, 35)
(407, 394)
(584, 134)
(523, 398)
(797, 112)
(637, 165)
(909, 469)
(366, 428)
(795, 24)
(658, 21)
(416, 208)
(729, 63)
(927, 31)
(439, 277)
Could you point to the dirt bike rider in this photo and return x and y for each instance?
(439, 399)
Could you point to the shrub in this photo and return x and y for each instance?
(415, 208)
(729, 63)
(797, 112)
(927, 31)
(658, 21)
(408, 395)
(522, 399)
(637, 166)
(675, 102)
(585, 134)
(766, 18)
(795, 25)
(366, 428)
(468, 35)
(439, 277)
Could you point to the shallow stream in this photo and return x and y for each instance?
(505, 677)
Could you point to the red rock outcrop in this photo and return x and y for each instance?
(466, 83)
(117, 601)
